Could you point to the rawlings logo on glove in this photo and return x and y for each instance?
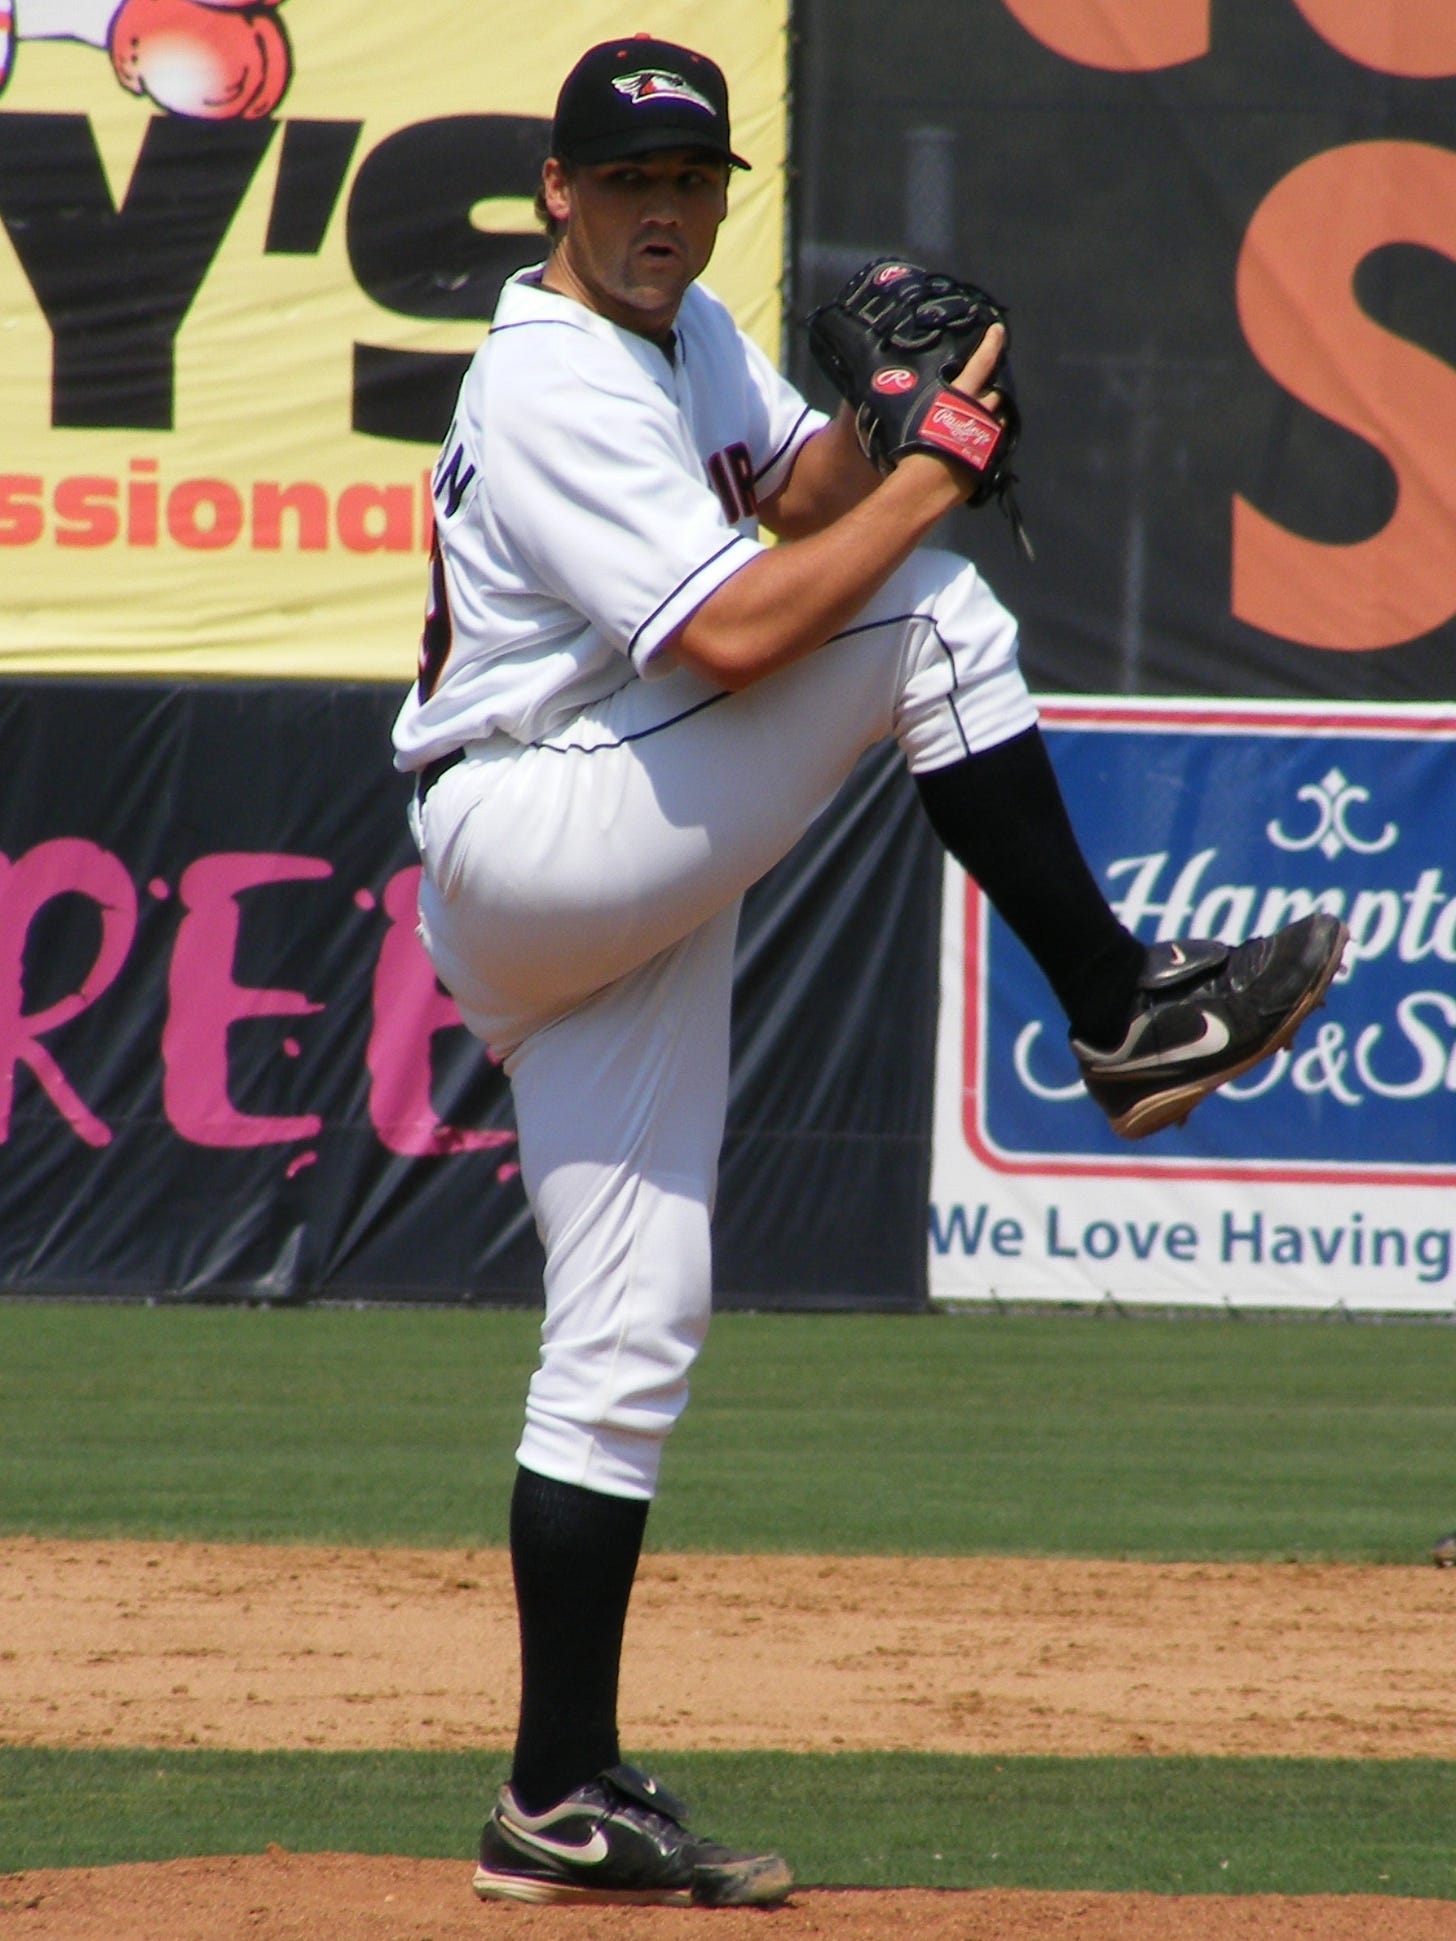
(956, 424)
(890, 343)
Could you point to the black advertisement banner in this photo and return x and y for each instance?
(227, 1069)
(1225, 234)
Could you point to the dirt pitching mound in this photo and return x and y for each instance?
(345, 1897)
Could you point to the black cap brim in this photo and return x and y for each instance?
(647, 141)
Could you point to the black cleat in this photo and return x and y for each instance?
(1207, 1012)
(619, 1839)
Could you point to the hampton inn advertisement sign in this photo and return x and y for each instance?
(1327, 1176)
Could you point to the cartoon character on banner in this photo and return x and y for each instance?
(212, 60)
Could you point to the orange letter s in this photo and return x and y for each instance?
(1297, 304)
(1128, 36)
(1411, 37)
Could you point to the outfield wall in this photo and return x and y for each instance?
(1226, 237)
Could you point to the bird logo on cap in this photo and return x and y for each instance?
(657, 84)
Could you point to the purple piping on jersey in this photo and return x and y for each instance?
(737, 540)
(899, 620)
(769, 464)
(845, 633)
(641, 734)
(536, 323)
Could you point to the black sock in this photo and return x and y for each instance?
(574, 1554)
(1001, 815)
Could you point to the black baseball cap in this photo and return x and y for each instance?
(628, 97)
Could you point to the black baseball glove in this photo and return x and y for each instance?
(890, 343)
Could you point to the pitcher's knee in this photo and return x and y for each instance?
(616, 1461)
(599, 1414)
(962, 689)
(614, 1371)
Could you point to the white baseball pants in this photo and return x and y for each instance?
(580, 900)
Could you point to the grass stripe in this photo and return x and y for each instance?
(1046, 1434)
(1174, 1826)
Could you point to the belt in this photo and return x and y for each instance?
(427, 777)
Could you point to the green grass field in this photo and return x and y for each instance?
(1176, 1826)
(1046, 1434)
(1053, 1433)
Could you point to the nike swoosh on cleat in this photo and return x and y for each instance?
(1215, 1039)
(590, 1853)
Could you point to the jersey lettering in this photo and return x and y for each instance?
(450, 483)
(731, 472)
(741, 466)
(437, 635)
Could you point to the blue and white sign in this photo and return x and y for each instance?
(1328, 1174)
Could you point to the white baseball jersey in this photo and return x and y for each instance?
(591, 494)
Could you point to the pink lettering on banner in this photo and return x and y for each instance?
(409, 1008)
(204, 1000)
(71, 866)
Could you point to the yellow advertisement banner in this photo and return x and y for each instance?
(249, 249)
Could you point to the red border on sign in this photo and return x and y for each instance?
(1242, 718)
